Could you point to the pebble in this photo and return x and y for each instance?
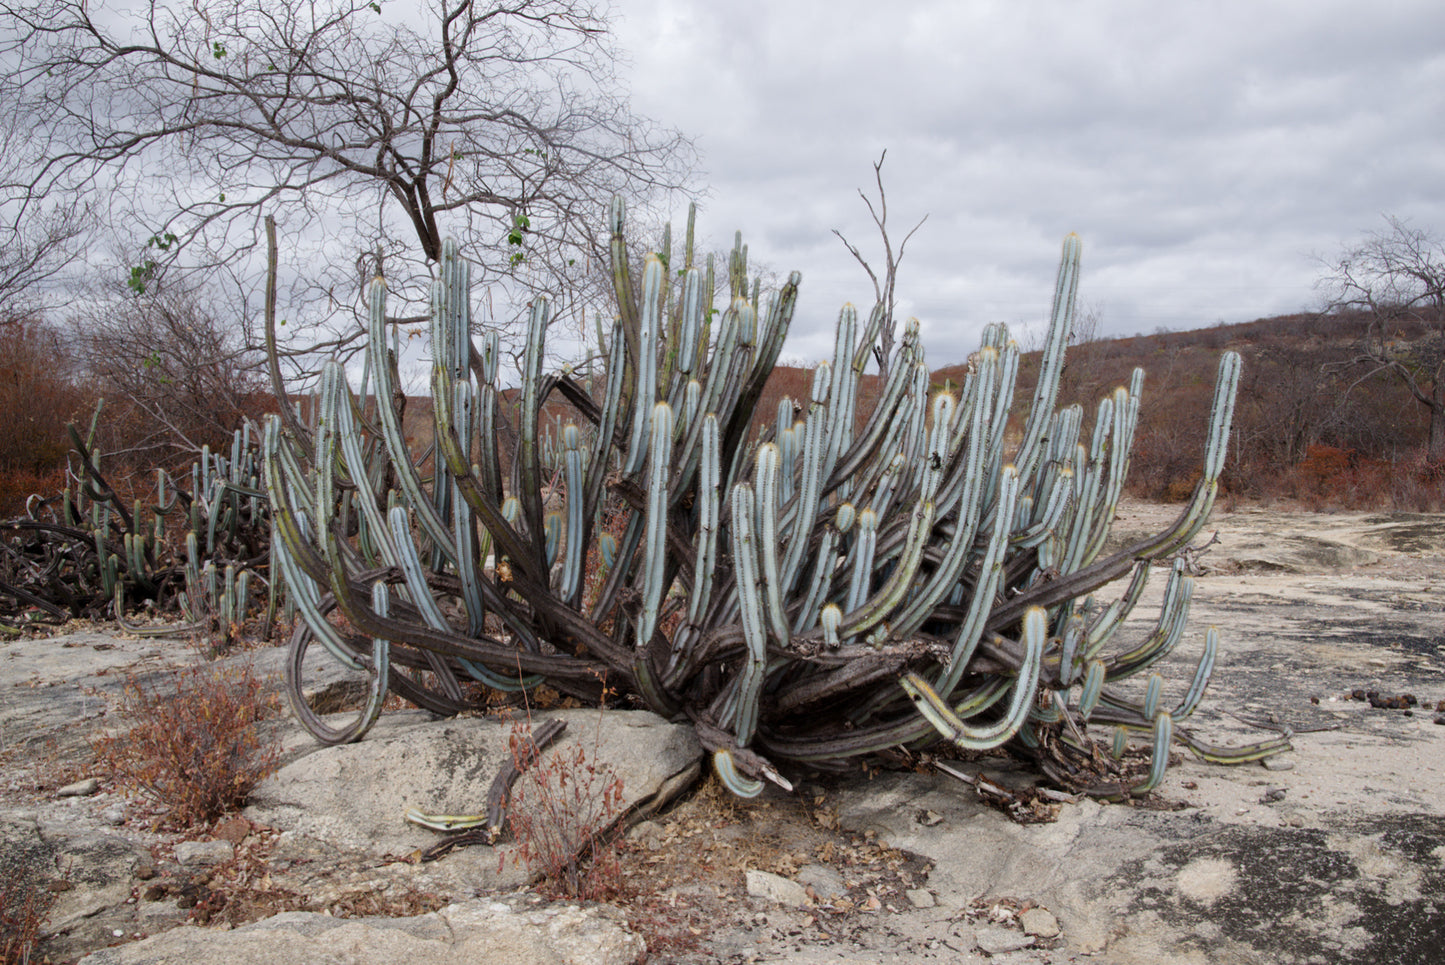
(1270, 764)
(1273, 794)
(1040, 922)
(765, 884)
(826, 882)
(194, 854)
(920, 898)
(993, 940)
(114, 816)
(83, 788)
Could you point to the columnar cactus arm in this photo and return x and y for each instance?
(342, 417)
(985, 589)
(378, 677)
(1052, 365)
(654, 560)
(1167, 631)
(765, 485)
(1185, 528)
(570, 587)
(407, 477)
(866, 446)
(485, 366)
(770, 343)
(528, 462)
(470, 487)
(877, 609)
(750, 598)
(957, 730)
(628, 314)
(646, 389)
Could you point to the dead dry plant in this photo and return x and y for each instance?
(561, 814)
(192, 749)
(24, 907)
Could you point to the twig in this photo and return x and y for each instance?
(501, 789)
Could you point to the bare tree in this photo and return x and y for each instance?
(1396, 278)
(501, 123)
(178, 364)
(883, 289)
(34, 247)
(38, 236)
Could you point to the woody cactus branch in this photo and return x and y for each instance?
(845, 585)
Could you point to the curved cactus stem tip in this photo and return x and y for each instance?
(731, 777)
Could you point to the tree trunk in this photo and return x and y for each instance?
(1435, 448)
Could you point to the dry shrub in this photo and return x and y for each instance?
(194, 749)
(561, 812)
(18, 485)
(1330, 477)
(1417, 485)
(24, 906)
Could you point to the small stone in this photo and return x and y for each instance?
(765, 884)
(826, 882)
(1440, 718)
(920, 898)
(1295, 821)
(83, 788)
(930, 819)
(1040, 922)
(993, 940)
(1270, 764)
(1273, 794)
(114, 816)
(199, 854)
(233, 829)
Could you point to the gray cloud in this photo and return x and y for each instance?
(1203, 151)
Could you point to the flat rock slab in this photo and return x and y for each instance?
(54, 691)
(354, 797)
(1336, 851)
(1338, 857)
(460, 934)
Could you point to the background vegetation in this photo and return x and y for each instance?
(1311, 427)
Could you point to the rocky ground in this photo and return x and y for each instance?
(1336, 849)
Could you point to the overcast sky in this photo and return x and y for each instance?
(1205, 152)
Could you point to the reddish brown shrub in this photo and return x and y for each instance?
(18, 485)
(193, 749)
(560, 812)
(24, 906)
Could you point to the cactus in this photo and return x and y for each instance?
(96, 556)
(813, 599)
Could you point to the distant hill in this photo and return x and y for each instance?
(1309, 425)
